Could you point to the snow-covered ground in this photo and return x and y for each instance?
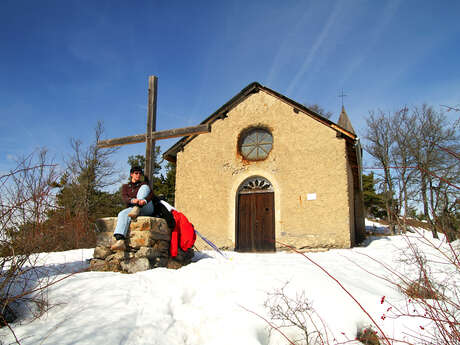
(376, 228)
(213, 300)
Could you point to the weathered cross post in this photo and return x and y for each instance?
(151, 127)
(151, 135)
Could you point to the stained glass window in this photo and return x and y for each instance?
(256, 144)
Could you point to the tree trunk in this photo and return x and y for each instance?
(389, 201)
(426, 209)
(405, 206)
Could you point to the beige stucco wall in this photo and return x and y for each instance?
(351, 202)
(307, 158)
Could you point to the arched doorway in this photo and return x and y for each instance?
(255, 230)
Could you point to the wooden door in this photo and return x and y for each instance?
(256, 222)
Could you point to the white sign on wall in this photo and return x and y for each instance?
(311, 196)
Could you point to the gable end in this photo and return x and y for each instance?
(222, 113)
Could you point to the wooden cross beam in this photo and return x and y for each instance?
(151, 135)
(166, 134)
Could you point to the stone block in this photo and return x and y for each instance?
(182, 259)
(161, 231)
(135, 265)
(120, 256)
(105, 239)
(148, 252)
(101, 252)
(159, 262)
(173, 264)
(98, 265)
(106, 224)
(104, 266)
(142, 223)
(138, 239)
(163, 248)
(157, 226)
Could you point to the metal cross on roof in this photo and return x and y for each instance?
(342, 95)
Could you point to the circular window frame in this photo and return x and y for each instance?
(259, 146)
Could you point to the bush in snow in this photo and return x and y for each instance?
(296, 316)
(431, 286)
(25, 198)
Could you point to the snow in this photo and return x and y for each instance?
(215, 300)
(376, 228)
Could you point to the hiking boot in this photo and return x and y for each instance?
(119, 237)
(134, 212)
(118, 245)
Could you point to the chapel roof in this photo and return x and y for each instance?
(344, 121)
(343, 128)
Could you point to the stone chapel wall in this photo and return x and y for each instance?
(308, 161)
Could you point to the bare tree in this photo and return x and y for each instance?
(432, 138)
(88, 172)
(450, 108)
(417, 152)
(25, 198)
(380, 140)
(403, 161)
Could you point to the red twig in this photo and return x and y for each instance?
(456, 155)
(390, 167)
(341, 286)
(12, 331)
(441, 178)
(413, 167)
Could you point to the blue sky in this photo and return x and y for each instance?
(64, 65)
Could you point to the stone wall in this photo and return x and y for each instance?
(147, 247)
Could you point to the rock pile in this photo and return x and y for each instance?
(147, 246)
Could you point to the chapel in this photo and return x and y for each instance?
(271, 173)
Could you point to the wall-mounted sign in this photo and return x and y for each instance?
(311, 196)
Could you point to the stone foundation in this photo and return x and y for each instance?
(147, 247)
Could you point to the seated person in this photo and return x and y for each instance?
(137, 196)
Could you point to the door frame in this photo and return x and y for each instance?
(253, 185)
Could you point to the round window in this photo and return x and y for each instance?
(256, 144)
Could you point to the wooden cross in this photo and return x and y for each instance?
(151, 135)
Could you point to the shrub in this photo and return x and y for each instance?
(25, 198)
(297, 315)
(420, 290)
(368, 336)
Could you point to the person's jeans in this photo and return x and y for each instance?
(123, 220)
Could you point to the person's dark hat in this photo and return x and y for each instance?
(134, 169)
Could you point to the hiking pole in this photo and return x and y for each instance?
(213, 246)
